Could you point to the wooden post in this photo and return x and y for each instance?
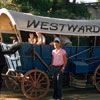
(1, 37)
(17, 34)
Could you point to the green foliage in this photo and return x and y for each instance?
(8, 4)
(83, 41)
(52, 8)
(33, 5)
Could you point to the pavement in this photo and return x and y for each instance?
(69, 93)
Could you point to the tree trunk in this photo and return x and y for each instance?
(65, 1)
(74, 1)
(54, 6)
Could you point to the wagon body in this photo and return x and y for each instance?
(21, 62)
(79, 67)
(28, 66)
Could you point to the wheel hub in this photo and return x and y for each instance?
(36, 85)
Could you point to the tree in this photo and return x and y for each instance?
(8, 4)
(52, 8)
(74, 1)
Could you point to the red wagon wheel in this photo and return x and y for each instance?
(97, 78)
(12, 83)
(35, 84)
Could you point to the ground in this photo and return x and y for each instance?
(68, 94)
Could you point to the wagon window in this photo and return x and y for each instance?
(25, 35)
(6, 37)
(83, 41)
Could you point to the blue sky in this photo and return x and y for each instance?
(86, 1)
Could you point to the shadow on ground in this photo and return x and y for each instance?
(68, 94)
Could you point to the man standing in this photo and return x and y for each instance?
(32, 39)
(59, 61)
(11, 50)
(41, 39)
(56, 37)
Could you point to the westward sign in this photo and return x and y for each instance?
(33, 23)
(73, 27)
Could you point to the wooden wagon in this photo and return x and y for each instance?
(28, 67)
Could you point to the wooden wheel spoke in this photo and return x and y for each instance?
(35, 75)
(29, 89)
(35, 93)
(42, 79)
(38, 76)
(31, 92)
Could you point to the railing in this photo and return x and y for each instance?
(94, 4)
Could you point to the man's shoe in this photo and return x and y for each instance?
(52, 99)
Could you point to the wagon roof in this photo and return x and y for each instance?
(33, 23)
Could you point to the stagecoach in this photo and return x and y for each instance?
(28, 67)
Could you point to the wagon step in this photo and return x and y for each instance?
(78, 83)
(10, 76)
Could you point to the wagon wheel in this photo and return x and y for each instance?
(35, 84)
(96, 78)
(12, 84)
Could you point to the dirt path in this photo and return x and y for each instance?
(68, 94)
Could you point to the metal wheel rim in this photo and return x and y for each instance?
(11, 86)
(97, 78)
(35, 87)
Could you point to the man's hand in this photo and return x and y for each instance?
(62, 69)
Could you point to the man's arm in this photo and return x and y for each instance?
(65, 62)
(12, 50)
(52, 60)
(44, 40)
